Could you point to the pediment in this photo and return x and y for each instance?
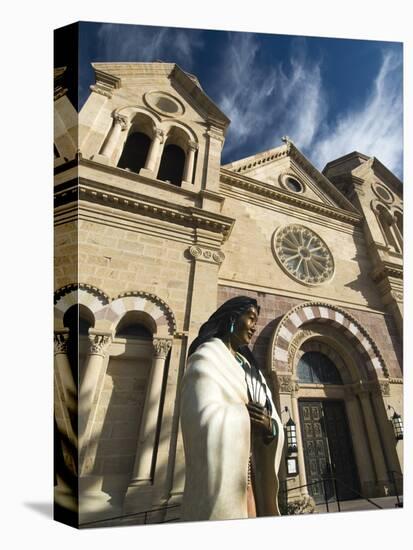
(285, 168)
(183, 87)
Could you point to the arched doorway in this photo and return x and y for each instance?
(340, 394)
(326, 440)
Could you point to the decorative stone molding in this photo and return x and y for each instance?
(161, 347)
(206, 254)
(396, 380)
(303, 254)
(99, 344)
(296, 343)
(60, 342)
(133, 202)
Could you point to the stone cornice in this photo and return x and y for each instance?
(387, 269)
(268, 191)
(59, 88)
(144, 205)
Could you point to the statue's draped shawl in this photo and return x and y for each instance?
(217, 439)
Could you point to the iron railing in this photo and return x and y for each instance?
(145, 516)
(335, 480)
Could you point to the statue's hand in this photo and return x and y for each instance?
(259, 418)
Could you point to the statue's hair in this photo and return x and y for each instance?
(218, 325)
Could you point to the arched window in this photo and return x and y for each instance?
(385, 221)
(172, 164)
(135, 152)
(399, 222)
(398, 230)
(316, 368)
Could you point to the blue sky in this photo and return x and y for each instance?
(330, 96)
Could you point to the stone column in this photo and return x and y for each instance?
(189, 163)
(152, 160)
(361, 450)
(66, 383)
(120, 124)
(99, 343)
(300, 449)
(374, 441)
(147, 434)
(397, 233)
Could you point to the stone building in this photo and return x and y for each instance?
(152, 233)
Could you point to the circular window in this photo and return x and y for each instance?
(383, 193)
(167, 105)
(303, 254)
(293, 185)
(164, 103)
(290, 182)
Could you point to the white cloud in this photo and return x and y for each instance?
(136, 43)
(292, 99)
(266, 103)
(374, 129)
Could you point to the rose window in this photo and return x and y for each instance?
(303, 254)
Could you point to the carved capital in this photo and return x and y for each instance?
(286, 384)
(162, 346)
(192, 146)
(159, 135)
(99, 344)
(60, 342)
(122, 120)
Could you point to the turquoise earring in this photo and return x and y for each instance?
(231, 330)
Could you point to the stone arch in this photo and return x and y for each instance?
(283, 346)
(78, 293)
(161, 318)
(136, 114)
(108, 313)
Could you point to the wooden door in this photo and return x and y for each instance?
(327, 450)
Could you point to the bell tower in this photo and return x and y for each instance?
(378, 194)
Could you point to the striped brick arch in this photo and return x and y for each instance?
(317, 312)
(144, 302)
(108, 313)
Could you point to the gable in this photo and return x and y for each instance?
(286, 169)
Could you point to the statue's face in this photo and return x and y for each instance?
(245, 327)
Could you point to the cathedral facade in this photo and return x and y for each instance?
(152, 233)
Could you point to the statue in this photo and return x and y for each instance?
(233, 437)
